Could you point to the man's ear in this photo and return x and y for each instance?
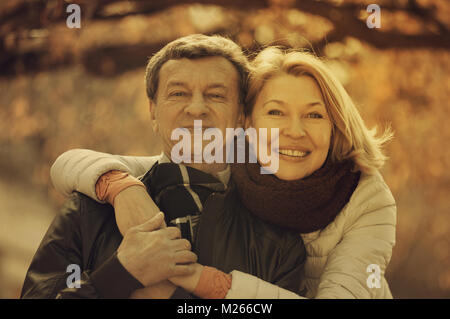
(152, 109)
(247, 122)
(240, 117)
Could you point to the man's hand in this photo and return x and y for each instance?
(133, 206)
(152, 255)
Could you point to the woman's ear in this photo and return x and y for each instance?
(152, 109)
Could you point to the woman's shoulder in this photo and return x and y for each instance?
(371, 204)
(371, 190)
(373, 198)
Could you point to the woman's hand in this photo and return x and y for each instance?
(188, 282)
(133, 206)
(166, 288)
(161, 290)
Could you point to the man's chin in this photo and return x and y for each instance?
(208, 168)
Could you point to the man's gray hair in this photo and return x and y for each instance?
(197, 46)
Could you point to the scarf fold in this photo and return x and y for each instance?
(304, 205)
(180, 192)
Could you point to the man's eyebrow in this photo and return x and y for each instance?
(217, 86)
(176, 83)
(184, 84)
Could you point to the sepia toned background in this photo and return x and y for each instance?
(63, 88)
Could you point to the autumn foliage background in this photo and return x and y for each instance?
(64, 88)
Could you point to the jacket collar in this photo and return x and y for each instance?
(223, 176)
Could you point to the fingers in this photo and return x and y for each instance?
(182, 244)
(185, 257)
(171, 232)
(183, 270)
(153, 223)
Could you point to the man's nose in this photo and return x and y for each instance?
(294, 128)
(197, 106)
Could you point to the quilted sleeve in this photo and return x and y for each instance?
(246, 286)
(355, 267)
(79, 169)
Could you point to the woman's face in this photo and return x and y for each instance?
(295, 106)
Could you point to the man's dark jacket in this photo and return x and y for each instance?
(229, 238)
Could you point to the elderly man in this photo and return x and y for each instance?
(193, 78)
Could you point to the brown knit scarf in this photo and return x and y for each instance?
(304, 205)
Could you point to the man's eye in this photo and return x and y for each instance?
(315, 115)
(274, 112)
(178, 93)
(216, 96)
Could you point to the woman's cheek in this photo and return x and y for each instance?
(323, 137)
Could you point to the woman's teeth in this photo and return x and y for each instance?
(293, 153)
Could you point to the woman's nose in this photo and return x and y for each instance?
(294, 128)
(197, 106)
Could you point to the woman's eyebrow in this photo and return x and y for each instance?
(311, 104)
(274, 101)
(316, 103)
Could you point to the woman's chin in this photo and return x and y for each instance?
(290, 175)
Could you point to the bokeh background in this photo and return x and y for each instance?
(63, 88)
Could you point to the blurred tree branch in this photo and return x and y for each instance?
(20, 18)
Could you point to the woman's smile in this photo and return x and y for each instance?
(293, 154)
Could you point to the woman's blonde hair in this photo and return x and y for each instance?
(350, 139)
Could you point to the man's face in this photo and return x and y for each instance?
(199, 89)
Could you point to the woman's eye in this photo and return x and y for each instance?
(274, 112)
(315, 115)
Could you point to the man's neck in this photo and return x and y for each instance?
(211, 168)
(219, 170)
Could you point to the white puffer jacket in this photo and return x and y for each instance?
(347, 259)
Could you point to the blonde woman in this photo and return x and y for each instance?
(328, 187)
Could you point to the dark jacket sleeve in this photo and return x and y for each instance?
(291, 268)
(47, 276)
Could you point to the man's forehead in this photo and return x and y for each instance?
(207, 68)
